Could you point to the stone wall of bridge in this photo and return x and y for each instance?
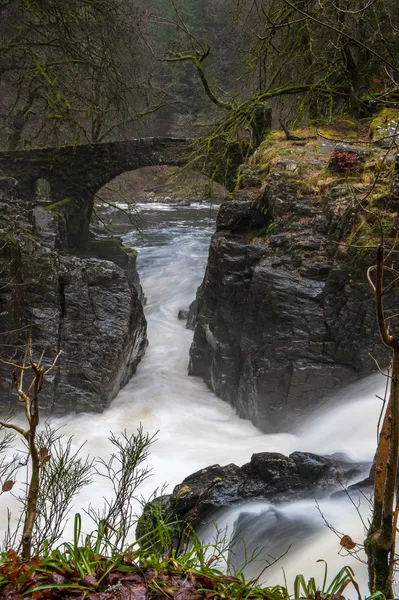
(77, 172)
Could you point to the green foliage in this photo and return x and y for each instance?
(232, 141)
(335, 589)
(261, 233)
(63, 474)
(126, 471)
(86, 564)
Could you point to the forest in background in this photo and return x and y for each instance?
(101, 70)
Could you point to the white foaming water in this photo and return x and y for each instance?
(195, 428)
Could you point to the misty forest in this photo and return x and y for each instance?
(199, 299)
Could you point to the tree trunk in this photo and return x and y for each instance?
(32, 413)
(380, 541)
(31, 505)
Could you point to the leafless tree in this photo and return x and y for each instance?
(28, 378)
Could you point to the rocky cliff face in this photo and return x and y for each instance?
(284, 315)
(89, 308)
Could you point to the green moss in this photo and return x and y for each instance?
(261, 235)
(109, 249)
(258, 233)
(366, 235)
(129, 251)
(104, 249)
(8, 239)
(272, 137)
(57, 209)
(55, 205)
(342, 127)
(387, 118)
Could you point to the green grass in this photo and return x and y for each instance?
(187, 569)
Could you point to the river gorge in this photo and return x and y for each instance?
(195, 429)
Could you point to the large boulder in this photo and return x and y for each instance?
(269, 476)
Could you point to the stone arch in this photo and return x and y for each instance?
(76, 173)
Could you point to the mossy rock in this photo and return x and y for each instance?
(385, 124)
(109, 249)
(130, 251)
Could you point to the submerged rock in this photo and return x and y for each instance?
(90, 309)
(183, 314)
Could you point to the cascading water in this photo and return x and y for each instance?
(196, 429)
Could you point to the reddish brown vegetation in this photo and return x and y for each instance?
(129, 583)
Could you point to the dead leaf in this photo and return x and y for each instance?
(89, 581)
(230, 579)
(40, 594)
(57, 578)
(116, 577)
(208, 583)
(35, 562)
(212, 559)
(347, 542)
(44, 456)
(139, 592)
(12, 555)
(7, 486)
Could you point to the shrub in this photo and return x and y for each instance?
(344, 162)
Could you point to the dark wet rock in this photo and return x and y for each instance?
(192, 314)
(361, 151)
(284, 315)
(269, 534)
(183, 315)
(89, 308)
(268, 476)
(111, 249)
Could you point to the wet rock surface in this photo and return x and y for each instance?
(268, 476)
(284, 315)
(89, 308)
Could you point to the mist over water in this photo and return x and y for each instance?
(196, 429)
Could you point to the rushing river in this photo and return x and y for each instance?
(196, 429)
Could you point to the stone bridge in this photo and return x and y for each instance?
(77, 172)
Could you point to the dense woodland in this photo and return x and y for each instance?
(103, 69)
